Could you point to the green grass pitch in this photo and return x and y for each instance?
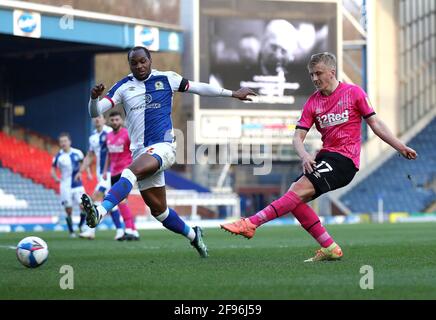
(163, 265)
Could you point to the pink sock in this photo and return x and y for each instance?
(126, 214)
(277, 208)
(310, 221)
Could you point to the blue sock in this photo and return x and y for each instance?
(69, 223)
(175, 224)
(117, 193)
(82, 219)
(116, 218)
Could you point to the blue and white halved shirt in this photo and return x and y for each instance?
(98, 145)
(69, 165)
(148, 105)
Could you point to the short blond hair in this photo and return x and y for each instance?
(327, 58)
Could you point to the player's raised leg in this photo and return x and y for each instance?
(292, 201)
(143, 166)
(115, 195)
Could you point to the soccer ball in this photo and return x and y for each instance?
(32, 252)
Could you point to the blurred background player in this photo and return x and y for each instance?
(98, 149)
(68, 161)
(337, 110)
(119, 157)
(147, 97)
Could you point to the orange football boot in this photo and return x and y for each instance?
(242, 227)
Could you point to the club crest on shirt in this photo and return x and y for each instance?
(159, 85)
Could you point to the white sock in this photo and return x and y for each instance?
(102, 211)
(191, 234)
(163, 215)
(129, 231)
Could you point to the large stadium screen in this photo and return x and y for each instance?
(263, 45)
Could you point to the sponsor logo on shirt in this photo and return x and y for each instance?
(113, 148)
(148, 106)
(332, 119)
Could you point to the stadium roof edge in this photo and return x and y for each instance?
(90, 15)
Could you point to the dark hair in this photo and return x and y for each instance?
(64, 134)
(114, 114)
(147, 52)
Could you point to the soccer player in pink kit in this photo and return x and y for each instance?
(119, 158)
(337, 110)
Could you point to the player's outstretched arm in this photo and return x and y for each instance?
(205, 89)
(97, 107)
(383, 132)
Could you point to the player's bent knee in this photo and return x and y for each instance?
(129, 175)
(305, 191)
(156, 209)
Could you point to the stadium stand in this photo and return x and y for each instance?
(402, 185)
(30, 161)
(22, 197)
(26, 183)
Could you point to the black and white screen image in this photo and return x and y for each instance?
(268, 55)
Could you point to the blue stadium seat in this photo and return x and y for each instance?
(391, 182)
(41, 201)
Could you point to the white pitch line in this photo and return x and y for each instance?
(8, 247)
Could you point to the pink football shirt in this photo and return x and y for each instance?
(338, 117)
(119, 151)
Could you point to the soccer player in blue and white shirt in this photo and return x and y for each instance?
(98, 149)
(68, 160)
(147, 97)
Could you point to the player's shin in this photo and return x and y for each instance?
(69, 221)
(118, 192)
(276, 209)
(172, 221)
(115, 214)
(82, 219)
(127, 215)
(309, 220)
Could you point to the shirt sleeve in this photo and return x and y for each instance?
(114, 95)
(306, 120)
(177, 82)
(81, 156)
(363, 104)
(91, 147)
(54, 162)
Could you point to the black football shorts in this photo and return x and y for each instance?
(332, 171)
